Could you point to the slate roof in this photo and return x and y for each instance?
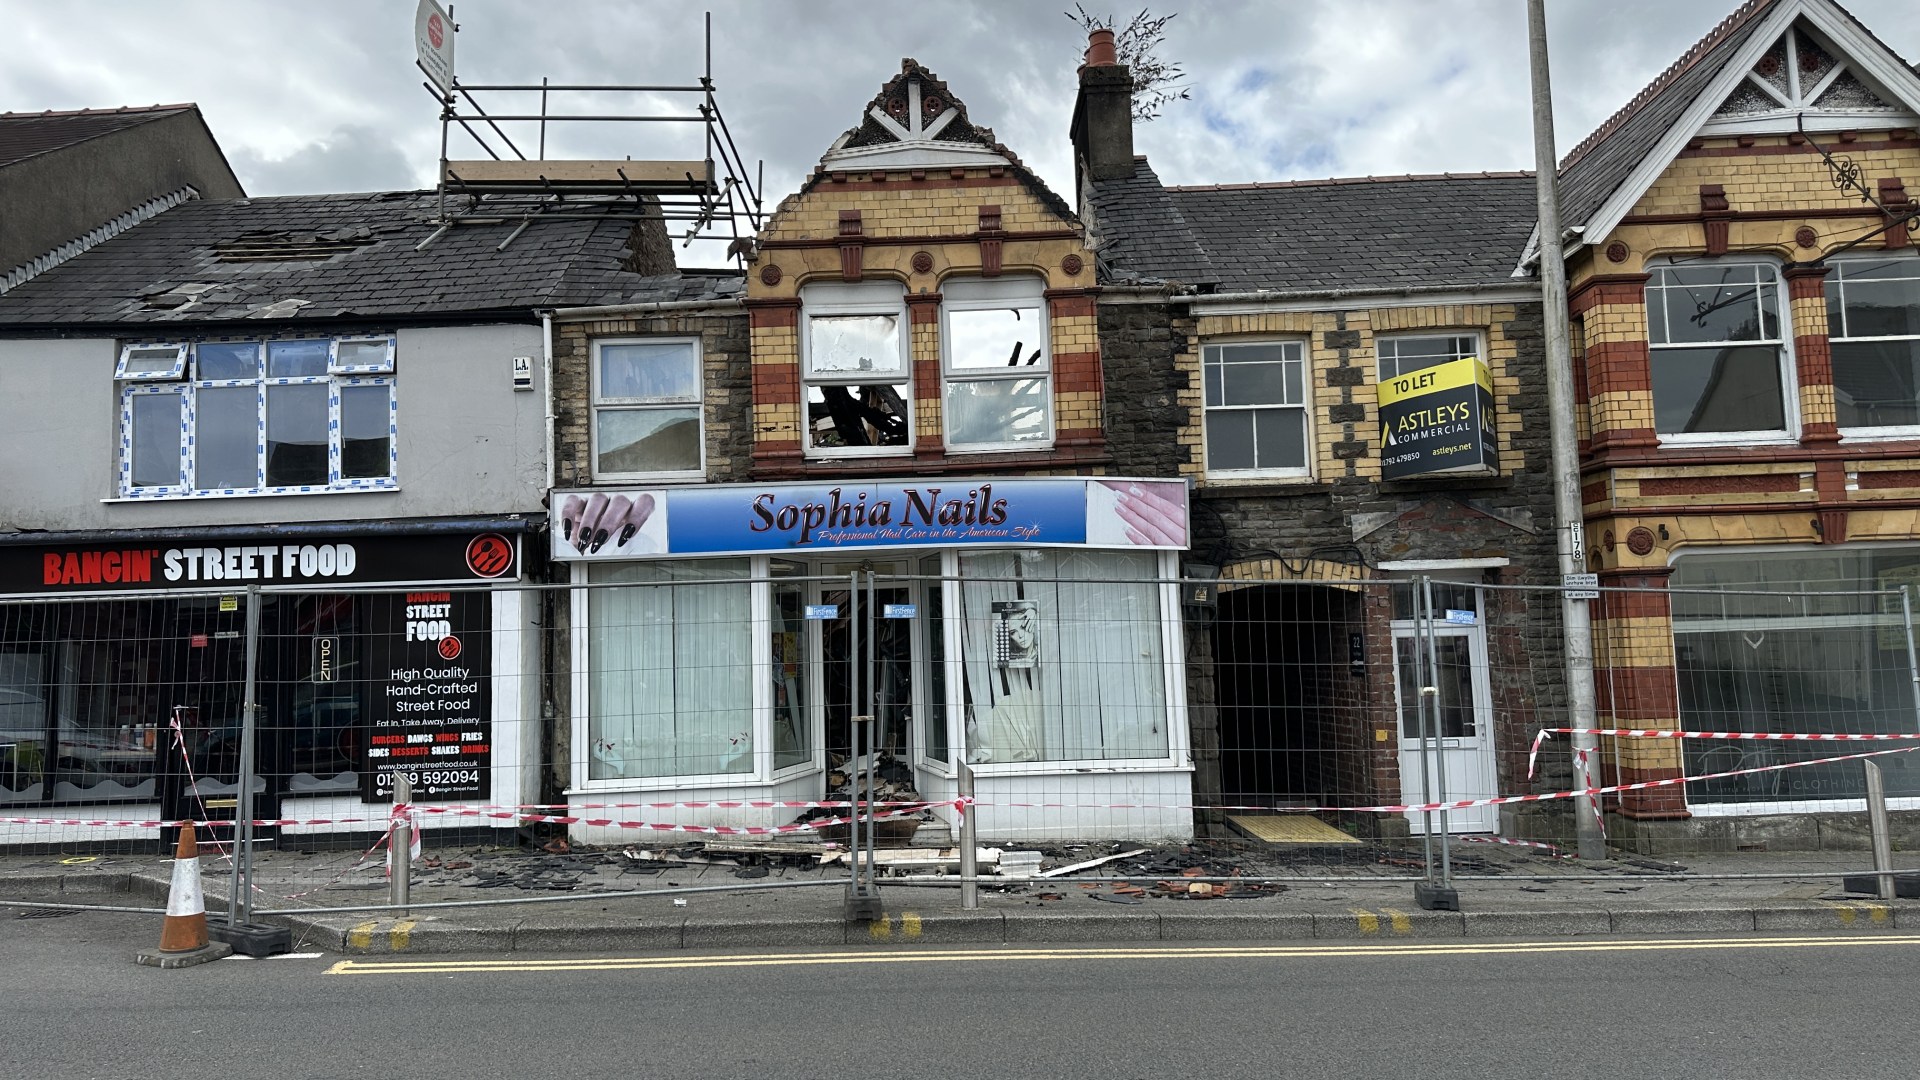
(171, 269)
(25, 135)
(1316, 235)
(1593, 170)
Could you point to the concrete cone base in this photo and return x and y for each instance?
(190, 958)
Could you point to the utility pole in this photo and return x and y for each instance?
(1570, 534)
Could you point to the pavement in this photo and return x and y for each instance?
(502, 900)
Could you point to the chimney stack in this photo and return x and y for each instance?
(1102, 129)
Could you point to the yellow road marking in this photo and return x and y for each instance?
(1399, 921)
(361, 936)
(989, 953)
(909, 925)
(1851, 910)
(880, 929)
(401, 935)
(1369, 922)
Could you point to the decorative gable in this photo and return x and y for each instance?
(915, 122)
(1800, 76)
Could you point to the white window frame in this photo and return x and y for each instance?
(854, 298)
(1789, 433)
(995, 294)
(127, 351)
(630, 404)
(1836, 335)
(1305, 407)
(188, 386)
(384, 366)
(1381, 374)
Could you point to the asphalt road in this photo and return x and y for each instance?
(73, 1004)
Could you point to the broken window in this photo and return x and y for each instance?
(999, 386)
(1717, 349)
(854, 355)
(250, 417)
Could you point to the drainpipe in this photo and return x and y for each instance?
(546, 387)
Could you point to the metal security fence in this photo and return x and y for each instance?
(979, 717)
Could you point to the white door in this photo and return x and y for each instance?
(1463, 734)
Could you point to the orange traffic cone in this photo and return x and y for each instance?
(183, 937)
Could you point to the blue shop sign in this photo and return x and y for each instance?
(620, 523)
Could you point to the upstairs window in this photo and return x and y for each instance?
(1256, 408)
(1400, 355)
(1873, 322)
(997, 364)
(646, 409)
(257, 417)
(1717, 346)
(855, 364)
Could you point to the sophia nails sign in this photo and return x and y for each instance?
(731, 520)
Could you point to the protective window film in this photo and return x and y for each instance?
(293, 359)
(648, 440)
(852, 344)
(647, 372)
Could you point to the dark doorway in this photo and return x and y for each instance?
(1291, 694)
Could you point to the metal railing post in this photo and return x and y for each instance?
(1877, 826)
(969, 848)
(240, 902)
(1438, 729)
(400, 846)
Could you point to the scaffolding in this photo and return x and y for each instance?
(710, 195)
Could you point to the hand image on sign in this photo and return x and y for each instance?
(1149, 515)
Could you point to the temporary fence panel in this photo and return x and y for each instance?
(705, 713)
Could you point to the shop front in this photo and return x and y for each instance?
(738, 643)
(373, 651)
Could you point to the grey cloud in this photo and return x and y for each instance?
(350, 158)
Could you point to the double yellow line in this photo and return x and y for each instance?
(993, 954)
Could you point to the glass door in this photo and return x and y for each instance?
(1461, 736)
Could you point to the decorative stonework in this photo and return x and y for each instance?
(1640, 541)
(770, 274)
(1606, 540)
(1072, 264)
(1617, 252)
(1806, 237)
(923, 262)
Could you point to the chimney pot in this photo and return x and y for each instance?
(1100, 49)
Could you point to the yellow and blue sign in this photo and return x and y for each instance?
(1438, 419)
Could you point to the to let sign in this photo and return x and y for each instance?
(1438, 420)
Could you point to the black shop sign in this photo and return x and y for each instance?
(373, 559)
(430, 715)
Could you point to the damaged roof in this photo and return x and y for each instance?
(1315, 235)
(320, 257)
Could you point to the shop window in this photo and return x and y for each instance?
(257, 417)
(792, 730)
(1063, 656)
(1256, 408)
(646, 409)
(1873, 322)
(854, 357)
(666, 645)
(1803, 641)
(997, 364)
(1717, 346)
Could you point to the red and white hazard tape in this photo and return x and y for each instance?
(1533, 753)
(727, 804)
(899, 810)
(1550, 849)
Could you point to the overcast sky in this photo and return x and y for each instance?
(314, 97)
